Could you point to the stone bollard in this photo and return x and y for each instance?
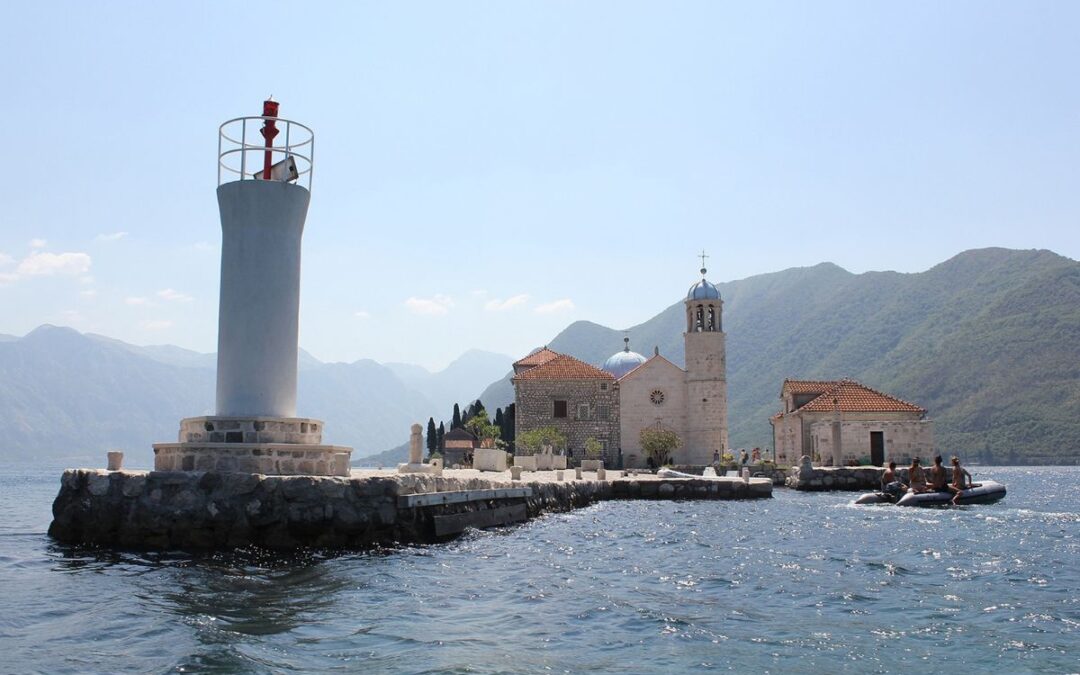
(601, 474)
(116, 460)
(577, 473)
(515, 473)
(746, 475)
(558, 476)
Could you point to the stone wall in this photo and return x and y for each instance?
(535, 406)
(190, 510)
(906, 435)
(904, 439)
(637, 410)
(820, 479)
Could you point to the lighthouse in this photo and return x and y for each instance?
(264, 188)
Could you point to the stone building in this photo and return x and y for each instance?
(838, 421)
(643, 393)
(579, 400)
(458, 446)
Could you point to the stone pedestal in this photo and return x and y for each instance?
(489, 459)
(115, 460)
(526, 462)
(267, 445)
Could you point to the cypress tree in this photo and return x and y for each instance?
(441, 434)
(508, 429)
(432, 436)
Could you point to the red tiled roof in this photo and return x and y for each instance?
(537, 358)
(851, 396)
(806, 386)
(564, 367)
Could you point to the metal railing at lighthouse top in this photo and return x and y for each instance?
(242, 151)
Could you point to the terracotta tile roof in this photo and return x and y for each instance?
(851, 396)
(537, 358)
(807, 386)
(564, 367)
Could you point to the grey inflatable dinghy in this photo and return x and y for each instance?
(984, 492)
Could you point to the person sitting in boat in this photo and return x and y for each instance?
(890, 483)
(958, 479)
(938, 478)
(916, 477)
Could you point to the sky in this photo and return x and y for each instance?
(487, 173)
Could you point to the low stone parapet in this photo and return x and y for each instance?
(825, 478)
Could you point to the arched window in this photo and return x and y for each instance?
(712, 318)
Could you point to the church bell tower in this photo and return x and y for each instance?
(706, 373)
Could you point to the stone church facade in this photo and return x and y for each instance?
(629, 393)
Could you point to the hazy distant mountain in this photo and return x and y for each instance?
(68, 396)
(988, 341)
(469, 373)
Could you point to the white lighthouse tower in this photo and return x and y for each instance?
(263, 194)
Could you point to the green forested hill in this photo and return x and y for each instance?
(988, 341)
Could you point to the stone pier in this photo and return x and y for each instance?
(191, 510)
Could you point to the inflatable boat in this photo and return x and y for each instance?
(984, 492)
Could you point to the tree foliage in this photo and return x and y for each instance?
(593, 448)
(432, 436)
(531, 442)
(659, 443)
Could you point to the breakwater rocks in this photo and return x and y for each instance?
(206, 510)
(822, 478)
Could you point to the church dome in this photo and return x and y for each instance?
(621, 363)
(703, 290)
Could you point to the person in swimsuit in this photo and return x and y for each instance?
(890, 483)
(916, 477)
(958, 482)
(938, 478)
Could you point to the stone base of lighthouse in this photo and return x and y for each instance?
(286, 446)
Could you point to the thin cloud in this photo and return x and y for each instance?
(497, 305)
(112, 236)
(564, 305)
(88, 293)
(361, 314)
(156, 324)
(436, 306)
(42, 264)
(174, 296)
(38, 243)
(138, 302)
(5, 259)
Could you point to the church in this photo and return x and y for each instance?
(613, 403)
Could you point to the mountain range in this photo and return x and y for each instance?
(988, 341)
(68, 396)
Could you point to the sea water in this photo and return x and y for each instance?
(803, 582)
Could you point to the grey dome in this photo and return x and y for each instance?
(621, 363)
(703, 290)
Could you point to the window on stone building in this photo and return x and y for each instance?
(603, 412)
(583, 411)
(603, 386)
(560, 409)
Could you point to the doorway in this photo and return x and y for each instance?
(877, 448)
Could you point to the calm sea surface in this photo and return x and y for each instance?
(798, 583)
